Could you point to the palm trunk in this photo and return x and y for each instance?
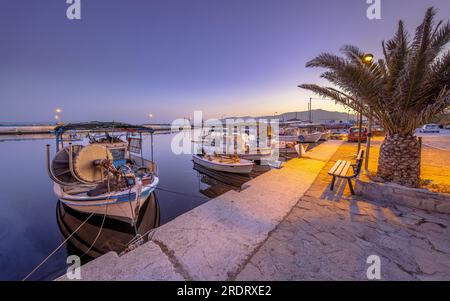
(399, 160)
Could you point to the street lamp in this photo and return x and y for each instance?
(367, 60)
(58, 112)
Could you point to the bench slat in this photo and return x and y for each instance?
(344, 171)
(335, 166)
(341, 167)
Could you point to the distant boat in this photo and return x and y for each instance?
(302, 133)
(325, 136)
(224, 164)
(257, 154)
(72, 136)
(302, 138)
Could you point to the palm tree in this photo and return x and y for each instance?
(402, 91)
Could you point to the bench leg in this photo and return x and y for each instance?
(332, 183)
(351, 186)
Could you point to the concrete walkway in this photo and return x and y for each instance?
(217, 240)
(330, 235)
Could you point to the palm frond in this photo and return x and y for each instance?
(352, 53)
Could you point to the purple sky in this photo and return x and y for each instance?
(125, 59)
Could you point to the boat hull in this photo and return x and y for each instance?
(121, 205)
(242, 168)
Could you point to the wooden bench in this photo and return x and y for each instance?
(341, 170)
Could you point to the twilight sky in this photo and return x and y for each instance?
(125, 59)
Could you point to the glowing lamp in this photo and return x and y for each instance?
(367, 58)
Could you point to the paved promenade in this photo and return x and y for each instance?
(329, 236)
(216, 240)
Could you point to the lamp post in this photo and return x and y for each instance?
(310, 110)
(58, 112)
(367, 60)
(150, 116)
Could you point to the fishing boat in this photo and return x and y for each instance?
(257, 154)
(228, 164)
(72, 136)
(107, 175)
(303, 132)
(296, 135)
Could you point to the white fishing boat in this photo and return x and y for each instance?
(302, 138)
(105, 176)
(224, 163)
(299, 133)
(257, 154)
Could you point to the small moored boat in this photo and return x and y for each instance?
(224, 163)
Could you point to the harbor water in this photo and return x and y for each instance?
(33, 223)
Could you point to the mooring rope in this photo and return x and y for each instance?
(55, 250)
(71, 235)
(101, 228)
(138, 236)
(68, 238)
(181, 193)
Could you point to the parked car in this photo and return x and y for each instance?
(430, 128)
(353, 134)
(447, 127)
(338, 134)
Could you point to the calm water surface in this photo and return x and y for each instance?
(29, 228)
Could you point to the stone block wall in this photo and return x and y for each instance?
(412, 197)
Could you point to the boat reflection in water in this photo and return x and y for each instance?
(213, 183)
(115, 235)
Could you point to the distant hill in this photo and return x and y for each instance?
(318, 116)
